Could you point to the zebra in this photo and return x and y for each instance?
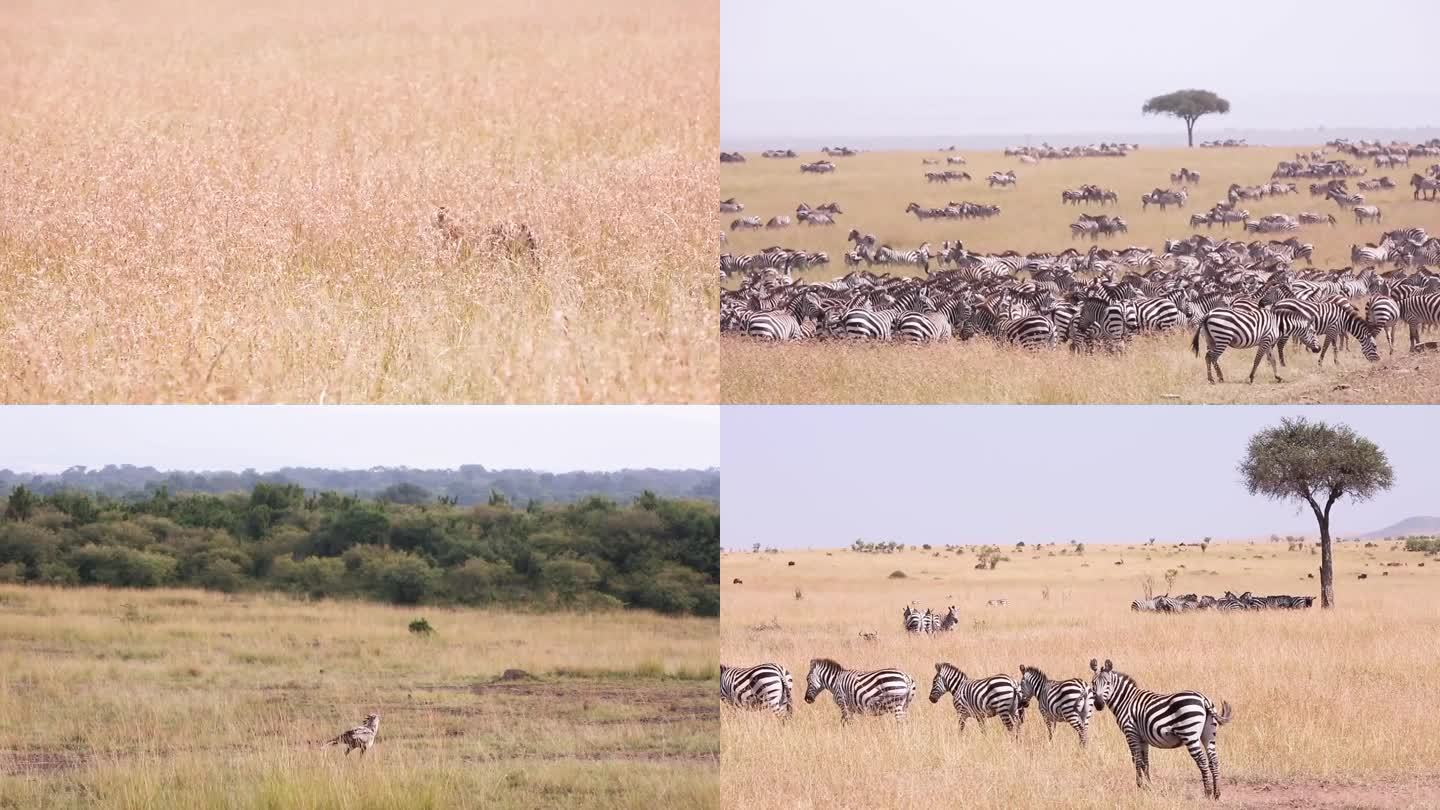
(1068, 701)
(731, 206)
(1164, 721)
(917, 621)
(1343, 199)
(1428, 186)
(1006, 178)
(1331, 320)
(818, 167)
(979, 698)
(1309, 218)
(1382, 312)
(1366, 212)
(778, 222)
(794, 322)
(362, 736)
(758, 687)
(1423, 308)
(746, 223)
(857, 692)
(1242, 327)
(919, 257)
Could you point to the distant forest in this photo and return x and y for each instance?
(470, 484)
(406, 546)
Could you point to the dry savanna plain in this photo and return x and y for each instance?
(874, 188)
(1324, 702)
(237, 203)
(175, 698)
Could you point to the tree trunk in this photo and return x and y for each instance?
(1190, 130)
(1327, 570)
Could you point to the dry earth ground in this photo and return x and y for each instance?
(234, 203)
(873, 190)
(139, 699)
(1324, 702)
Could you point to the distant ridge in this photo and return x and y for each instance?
(1419, 524)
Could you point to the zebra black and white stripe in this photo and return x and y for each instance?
(1332, 320)
(1163, 721)
(1059, 701)
(759, 687)
(1242, 327)
(881, 691)
(979, 698)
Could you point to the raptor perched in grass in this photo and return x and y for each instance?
(362, 736)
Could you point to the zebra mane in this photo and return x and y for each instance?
(827, 662)
(1025, 670)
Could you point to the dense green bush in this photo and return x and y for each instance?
(593, 554)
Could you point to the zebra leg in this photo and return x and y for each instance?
(1214, 769)
(1050, 729)
(1137, 755)
(1197, 753)
(1280, 348)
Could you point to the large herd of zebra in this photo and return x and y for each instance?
(1145, 718)
(1228, 602)
(1232, 294)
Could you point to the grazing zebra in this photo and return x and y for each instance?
(730, 206)
(978, 698)
(1366, 212)
(746, 223)
(1342, 199)
(856, 692)
(1164, 721)
(1006, 178)
(778, 222)
(1241, 328)
(758, 687)
(1308, 218)
(1060, 701)
(1332, 320)
(362, 736)
(818, 167)
(919, 257)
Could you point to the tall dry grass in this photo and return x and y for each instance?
(233, 203)
(183, 698)
(874, 188)
(1319, 697)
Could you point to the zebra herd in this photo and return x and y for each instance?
(1146, 719)
(954, 210)
(1088, 193)
(1164, 197)
(1097, 225)
(1228, 602)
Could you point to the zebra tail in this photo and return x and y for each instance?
(335, 741)
(1223, 716)
(1195, 342)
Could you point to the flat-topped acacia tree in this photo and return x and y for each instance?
(1188, 106)
(1319, 464)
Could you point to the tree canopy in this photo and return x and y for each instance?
(1188, 106)
(1317, 464)
(656, 553)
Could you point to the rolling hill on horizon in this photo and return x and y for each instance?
(1413, 525)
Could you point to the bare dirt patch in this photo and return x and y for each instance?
(39, 762)
(1327, 795)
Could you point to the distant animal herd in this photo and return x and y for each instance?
(1232, 294)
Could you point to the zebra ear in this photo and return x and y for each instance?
(938, 666)
(1108, 666)
(1094, 665)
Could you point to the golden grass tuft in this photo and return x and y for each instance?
(1317, 695)
(236, 204)
(873, 190)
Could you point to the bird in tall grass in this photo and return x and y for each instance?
(362, 736)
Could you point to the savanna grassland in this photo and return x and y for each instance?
(235, 203)
(873, 189)
(1323, 701)
(179, 698)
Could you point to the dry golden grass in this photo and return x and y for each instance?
(1324, 702)
(873, 190)
(174, 698)
(234, 203)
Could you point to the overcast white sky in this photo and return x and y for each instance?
(178, 437)
(823, 477)
(938, 67)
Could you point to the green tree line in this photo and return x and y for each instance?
(470, 484)
(594, 553)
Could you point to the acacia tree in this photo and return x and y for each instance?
(1318, 464)
(1188, 106)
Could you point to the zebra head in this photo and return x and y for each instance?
(1032, 681)
(1106, 683)
(822, 674)
(948, 678)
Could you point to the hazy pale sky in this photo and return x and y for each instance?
(212, 437)
(940, 67)
(823, 477)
